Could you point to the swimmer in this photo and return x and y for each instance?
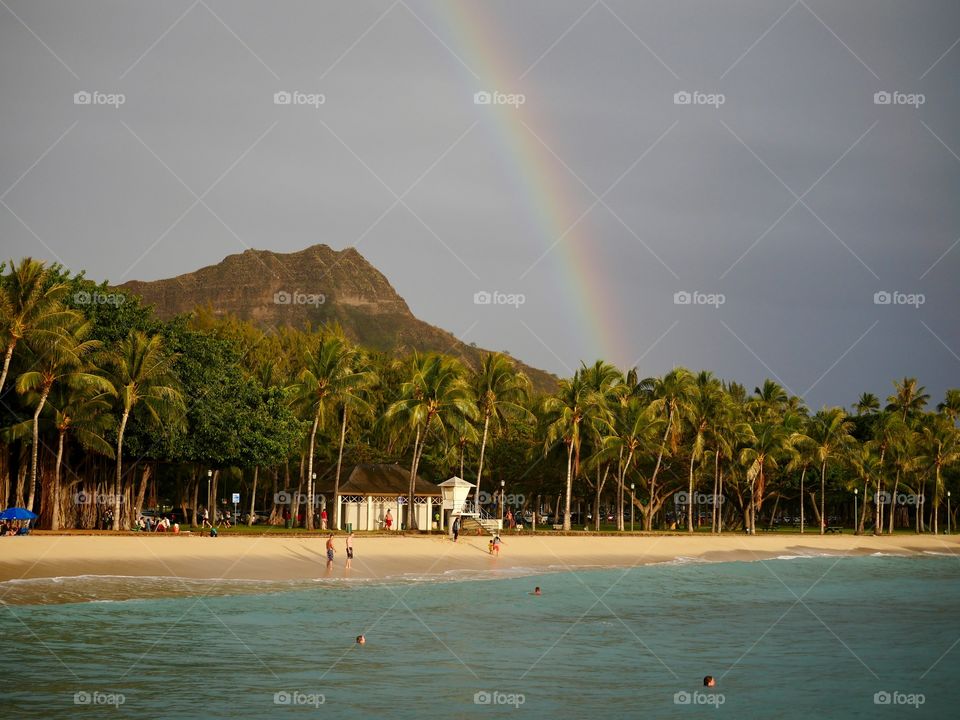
(361, 640)
(536, 591)
(709, 681)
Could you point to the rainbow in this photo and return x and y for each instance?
(470, 33)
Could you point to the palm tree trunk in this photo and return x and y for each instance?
(36, 445)
(823, 497)
(413, 478)
(803, 500)
(483, 447)
(878, 510)
(690, 496)
(893, 501)
(716, 477)
(142, 491)
(336, 480)
(313, 435)
(720, 508)
(119, 478)
(648, 519)
(566, 513)
(6, 363)
(54, 499)
(935, 505)
(253, 495)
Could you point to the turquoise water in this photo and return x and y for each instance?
(610, 643)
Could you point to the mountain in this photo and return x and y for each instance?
(316, 285)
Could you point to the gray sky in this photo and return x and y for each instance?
(784, 189)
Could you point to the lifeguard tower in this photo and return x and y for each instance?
(455, 492)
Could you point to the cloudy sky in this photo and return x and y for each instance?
(762, 188)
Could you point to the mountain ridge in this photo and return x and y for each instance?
(315, 285)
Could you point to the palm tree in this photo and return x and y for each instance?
(941, 445)
(142, 376)
(564, 413)
(909, 398)
(325, 367)
(501, 392)
(951, 404)
(829, 433)
(350, 394)
(672, 395)
(435, 390)
(866, 464)
(59, 357)
(888, 431)
(759, 458)
(84, 412)
(632, 433)
(868, 404)
(31, 304)
(701, 412)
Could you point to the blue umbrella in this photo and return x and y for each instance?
(17, 514)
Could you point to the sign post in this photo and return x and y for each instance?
(236, 501)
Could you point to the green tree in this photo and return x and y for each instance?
(436, 388)
(501, 392)
(60, 357)
(830, 438)
(142, 376)
(31, 306)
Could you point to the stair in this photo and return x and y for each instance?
(470, 525)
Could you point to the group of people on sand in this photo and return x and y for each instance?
(146, 524)
(331, 551)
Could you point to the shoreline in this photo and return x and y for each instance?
(303, 558)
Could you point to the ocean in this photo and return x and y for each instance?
(793, 637)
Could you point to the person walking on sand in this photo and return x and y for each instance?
(206, 519)
(323, 519)
(456, 529)
(349, 550)
(495, 545)
(388, 520)
(330, 551)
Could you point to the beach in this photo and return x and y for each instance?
(293, 558)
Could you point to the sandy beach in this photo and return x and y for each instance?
(273, 558)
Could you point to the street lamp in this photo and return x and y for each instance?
(948, 512)
(502, 485)
(313, 484)
(210, 477)
(632, 500)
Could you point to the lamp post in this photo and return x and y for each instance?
(948, 512)
(632, 498)
(856, 522)
(502, 496)
(209, 478)
(313, 477)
